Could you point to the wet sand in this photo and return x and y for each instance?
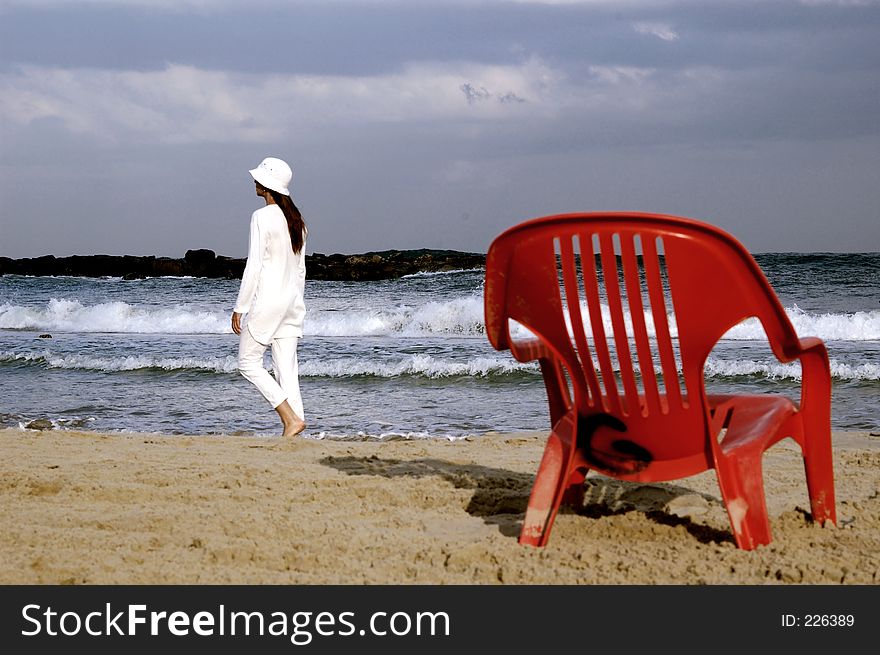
(89, 508)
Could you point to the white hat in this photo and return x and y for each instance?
(273, 173)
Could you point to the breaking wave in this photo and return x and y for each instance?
(411, 365)
(418, 365)
(457, 316)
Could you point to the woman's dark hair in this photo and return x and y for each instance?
(295, 224)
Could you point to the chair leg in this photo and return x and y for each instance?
(573, 495)
(816, 426)
(547, 492)
(819, 470)
(742, 488)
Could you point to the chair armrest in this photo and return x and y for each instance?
(558, 396)
(528, 349)
(815, 379)
(796, 350)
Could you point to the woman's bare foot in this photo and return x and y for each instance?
(294, 428)
(293, 424)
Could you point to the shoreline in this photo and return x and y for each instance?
(133, 508)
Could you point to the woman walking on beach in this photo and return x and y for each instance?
(271, 294)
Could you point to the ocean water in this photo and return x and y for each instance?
(402, 358)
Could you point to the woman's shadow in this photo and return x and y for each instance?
(500, 496)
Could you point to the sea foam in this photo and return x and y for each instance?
(48, 359)
(462, 316)
(411, 365)
(63, 315)
(416, 365)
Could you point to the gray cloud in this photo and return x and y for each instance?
(474, 94)
(662, 31)
(401, 118)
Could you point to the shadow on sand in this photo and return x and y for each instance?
(500, 496)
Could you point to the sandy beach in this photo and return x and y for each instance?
(91, 508)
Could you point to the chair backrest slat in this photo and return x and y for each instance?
(573, 298)
(659, 311)
(600, 343)
(618, 324)
(632, 277)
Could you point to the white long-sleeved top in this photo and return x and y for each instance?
(273, 282)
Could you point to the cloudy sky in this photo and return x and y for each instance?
(128, 126)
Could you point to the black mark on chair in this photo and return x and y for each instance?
(629, 457)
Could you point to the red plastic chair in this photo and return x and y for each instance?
(548, 275)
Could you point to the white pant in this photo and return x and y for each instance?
(285, 384)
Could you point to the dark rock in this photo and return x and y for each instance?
(200, 262)
(39, 424)
(389, 264)
(164, 266)
(229, 267)
(45, 336)
(199, 257)
(205, 263)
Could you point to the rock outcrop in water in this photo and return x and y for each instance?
(383, 265)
